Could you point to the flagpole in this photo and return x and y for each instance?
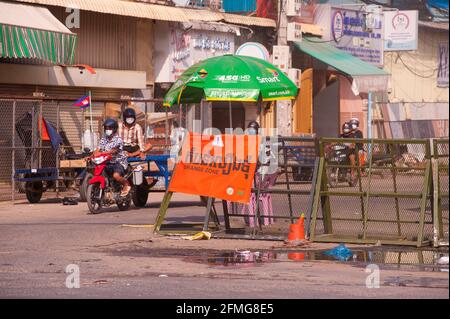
(90, 113)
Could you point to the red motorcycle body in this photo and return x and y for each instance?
(98, 170)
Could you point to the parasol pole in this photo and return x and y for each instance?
(231, 115)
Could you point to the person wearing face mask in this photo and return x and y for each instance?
(132, 135)
(253, 128)
(112, 143)
(357, 133)
(351, 130)
(354, 123)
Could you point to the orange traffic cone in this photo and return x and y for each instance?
(297, 231)
(296, 256)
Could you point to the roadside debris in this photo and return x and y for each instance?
(69, 201)
(340, 252)
(201, 235)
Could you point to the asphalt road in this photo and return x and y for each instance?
(38, 242)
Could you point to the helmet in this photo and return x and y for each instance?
(346, 128)
(111, 124)
(354, 122)
(129, 113)
(253, 126)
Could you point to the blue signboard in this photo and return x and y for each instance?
(351, 33)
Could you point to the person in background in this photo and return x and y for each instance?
(357, 133)
(354, 123)
(112, 143)
(346, 130)
(176, 137)
(350, 130)
(132, 135)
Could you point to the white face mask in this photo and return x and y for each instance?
(109, 132)
(252, 131)
(129, 120)
(354, 126)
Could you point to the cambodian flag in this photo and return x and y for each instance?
(83, 102)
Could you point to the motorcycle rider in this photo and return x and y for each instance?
(132, 135)
(347, 132)
(112, 143)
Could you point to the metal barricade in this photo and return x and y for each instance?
(383, 198)
(440, 191)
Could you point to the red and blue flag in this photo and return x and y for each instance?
(84, 102)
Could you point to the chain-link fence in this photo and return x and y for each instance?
(440, 190)
(26, 139)
(374, 190)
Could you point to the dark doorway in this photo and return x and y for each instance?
(221, 115)
(326, 111)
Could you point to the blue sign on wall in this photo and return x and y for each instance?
(239, 5)
(349, 34)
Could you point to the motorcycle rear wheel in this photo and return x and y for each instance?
(125, 204)
(93, 202)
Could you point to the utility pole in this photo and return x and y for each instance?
(283, 108)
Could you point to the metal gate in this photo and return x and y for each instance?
(22, 145)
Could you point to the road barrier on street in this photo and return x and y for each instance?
(388, 201)
(283, 186)
(440, 191)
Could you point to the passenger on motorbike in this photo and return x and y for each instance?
(356, 133)
(112, 143)
(132, 135)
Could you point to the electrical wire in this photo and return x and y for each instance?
(414, 72)
(430, 68)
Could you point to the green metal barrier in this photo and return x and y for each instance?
(440, 191)
(385, 202)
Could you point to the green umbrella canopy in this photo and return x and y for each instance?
(231, 78)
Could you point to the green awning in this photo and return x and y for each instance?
(366, 76)
(28, 32)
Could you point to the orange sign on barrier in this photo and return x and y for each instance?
(220, 166)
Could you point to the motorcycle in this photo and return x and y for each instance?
(339, 155)
(104, 191)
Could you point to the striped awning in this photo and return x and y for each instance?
(34, 34)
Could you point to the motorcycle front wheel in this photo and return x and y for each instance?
(93, 199)
(333, 177)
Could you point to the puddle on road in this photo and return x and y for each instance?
(384, 257)
(423, 260)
